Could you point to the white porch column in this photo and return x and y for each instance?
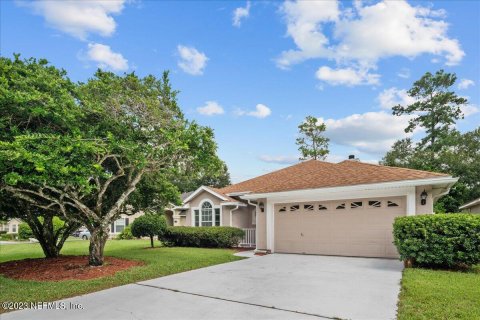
(270, 226)
(411, 202)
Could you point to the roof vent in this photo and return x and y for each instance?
(351, 157)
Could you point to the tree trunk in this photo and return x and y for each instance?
(98, 239)
(44, 233)
(151, 241)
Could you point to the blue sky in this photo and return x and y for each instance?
(253, 70)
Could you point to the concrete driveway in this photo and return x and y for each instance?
(278, 286)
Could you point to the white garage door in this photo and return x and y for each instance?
(361, 227)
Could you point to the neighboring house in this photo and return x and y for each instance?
(118, 225)
(317, 207)
(471, 207)
(11, 226)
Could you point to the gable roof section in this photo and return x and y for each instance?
(214, 191)
(470, 204)
(313, 174)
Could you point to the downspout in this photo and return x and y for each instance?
(231, 216)
(256, 223)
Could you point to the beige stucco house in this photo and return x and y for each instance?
(10, 226)
(472, 206)
(317, 207)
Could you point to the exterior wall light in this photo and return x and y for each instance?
(261, 206)
(423, 197)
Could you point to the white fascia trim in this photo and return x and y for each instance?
(361, 187)
(203, 188)
(234, 194)
(240, 204)
(471, 203)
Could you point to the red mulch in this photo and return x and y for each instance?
(63, 268)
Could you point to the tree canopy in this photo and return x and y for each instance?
(312, 143)
(83, 149)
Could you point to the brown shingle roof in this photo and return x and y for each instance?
(313, 174)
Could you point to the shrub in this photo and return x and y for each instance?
(149, 225)
(24, 231)
(204, 237)
(126, 234)
(8, 236)
(440, 240)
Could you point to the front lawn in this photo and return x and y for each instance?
(436, 294)
(158, 262)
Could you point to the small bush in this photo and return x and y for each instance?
(126, 234)
(203, 237)
(440, 240)
(8, 236)
(24, 231)
(149, 225)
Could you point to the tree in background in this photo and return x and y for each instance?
(149, 225)
(94, 143)
(312, 143)
(436, 109)
(443, 149)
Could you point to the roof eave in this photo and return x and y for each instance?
(446, 181)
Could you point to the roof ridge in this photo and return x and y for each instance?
(392, 167)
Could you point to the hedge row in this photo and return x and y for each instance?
(442, 240)
(203, 237)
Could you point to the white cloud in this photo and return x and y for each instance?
(371, 132)
(364, 34)
(279, 159)
(469, 109)
(106, 58)
(391, 97)
(78, 18)
(240, 13)
(261, 111)
(304, 21)
(347, 76)
(211, 108)
(404, 73)
(465, 83)
(192, 61)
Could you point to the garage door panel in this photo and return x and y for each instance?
(363, 231)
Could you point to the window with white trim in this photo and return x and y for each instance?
(119, 225)
(375, 203)
(308, 207)
(207, 214)
(217, 217)
(392, 204)
(295, 207)
(356, 204)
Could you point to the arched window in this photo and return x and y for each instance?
(207, 214)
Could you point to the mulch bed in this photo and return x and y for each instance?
(63, 268)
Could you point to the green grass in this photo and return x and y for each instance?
(437, 294)
(158, 262)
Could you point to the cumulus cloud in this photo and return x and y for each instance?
(404, 73)
(371, 132)
(391, 97)
(191, 61)
(106, 58)
(78, 18)
(261, 111)
(347, 76)
(365, 33)
(465, 84)
(239, 14)
(279, 159)
(211, 108)
(469, 109)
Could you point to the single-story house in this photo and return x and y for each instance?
(10, 226)
(472, 206)
(317, 207)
